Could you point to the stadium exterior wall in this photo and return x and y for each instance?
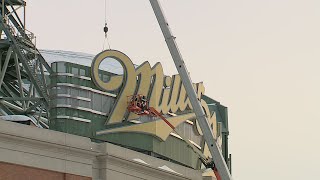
(32, 153)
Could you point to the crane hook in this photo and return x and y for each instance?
(105, 29)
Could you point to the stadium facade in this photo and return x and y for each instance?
(81, 110)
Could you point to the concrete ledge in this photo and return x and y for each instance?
(119, 159)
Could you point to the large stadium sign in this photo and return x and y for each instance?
(166, 94)
(92, 102)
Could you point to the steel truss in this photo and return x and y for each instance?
(23, 70)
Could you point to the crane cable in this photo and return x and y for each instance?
(105, 28)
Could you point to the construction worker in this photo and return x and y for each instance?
(143, 103)
(137, 101)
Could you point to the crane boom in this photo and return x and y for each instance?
(186, 80)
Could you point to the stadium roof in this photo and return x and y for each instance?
(85, 59)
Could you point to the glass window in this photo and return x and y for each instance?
(82, 114)
(61, 79)
(62, 90)
(96, 102)
(62, 101)
(53, 102)
(74, 113)
(106, 78)
(53, 111)
(74, 92)
(82, 82)
(61, 67)
(84, 104)
(74, 102)
(74, 80)
(82, 72)
(61, 112)
(105, 105)
(83, 93)
(101, 76)
(54, 67)
(53, 91)
(75, 70)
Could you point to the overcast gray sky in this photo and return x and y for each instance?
(258, 57)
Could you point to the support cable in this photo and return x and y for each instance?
(105, 28)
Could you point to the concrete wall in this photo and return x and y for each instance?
(32, 152)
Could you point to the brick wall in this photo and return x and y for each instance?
(18, 172)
